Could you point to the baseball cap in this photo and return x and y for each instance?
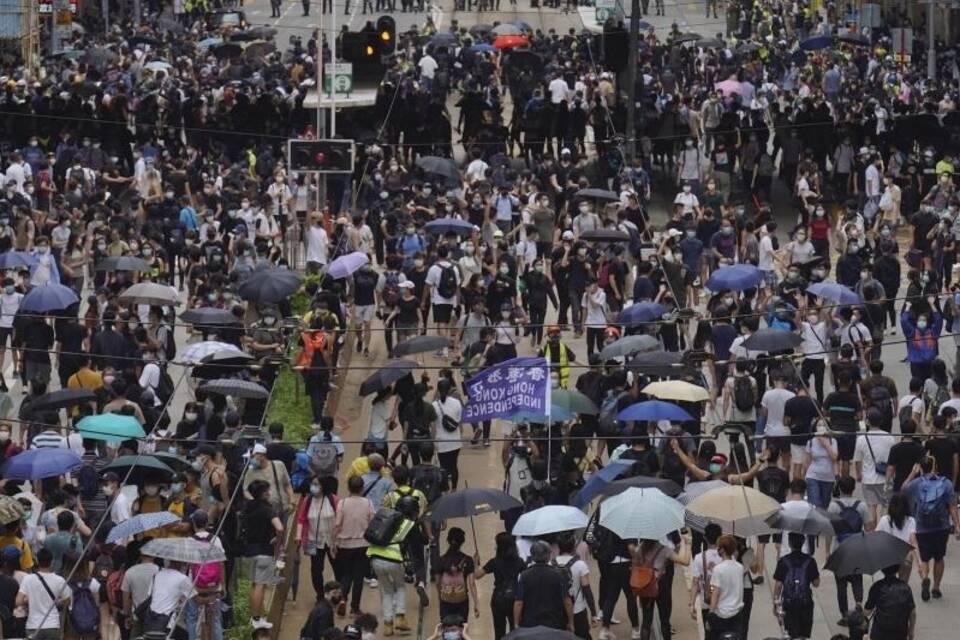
(673, 233)
(567, 235)
(406, 284)
(11, 553)
(259, 448)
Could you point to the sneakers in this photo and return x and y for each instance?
(400, 624)
(372, 583)
(936, 593)
(260, 623)
(925, 589)
(636, 634)
(605, 635)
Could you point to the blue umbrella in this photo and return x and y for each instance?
(17, 259)
(523, 25)
(346, 266)
(447, 225)
(654, 410)
(642, 312)
(48, 297)
(735, 277)
(816, 43)
(209, 42)
(557, 414)
(483, 47)
(141, 523)
(834, 292)
(598, 481)
(442, 39)
(36, 464)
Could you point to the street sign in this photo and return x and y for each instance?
(603, 13)
(338, 78)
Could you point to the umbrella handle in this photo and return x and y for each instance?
(473, 529)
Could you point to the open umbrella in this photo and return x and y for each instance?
(802, 517)
(221, 364)
(48, 297)
(158, 65)
(629, 345)
(206, 43)
(17, 260)
(816, 43)
(641, 312)
(834, 292)
(421, 344)
(470, 502)
(141, 523)
(511, 42)
(172, 460)
(61, 399)
(36, 464)
(442, 39)
(386, 375)
(599, 481)
(605, 235)
(711, 43)
(737, 509)
(597, 194)
(572, 401)
(227, 50)
(100, 57)
(663, 364)
(147, 40)
(676, 390)
(729, 87)
(110, 426)
(449, 225)
(770, 339)
(855, 39)
(654, 410)
(439, 166)
(262, 33)
(647, 514)
(552, 518)
(235, 388)
(10, 510)
(866, 553)
(557, 414)
(152, 293)
(506, 29)
(747, 47)
(186, 550)
(270, 285)
(735, 277)
(687, 37)
(123, 263)
(479, 29)
(483, 47)
(140, 468)
(197, 351)
(346, 266)
(539, 633)
(208, 316)
(256, 50)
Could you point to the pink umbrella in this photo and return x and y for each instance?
(729, 87)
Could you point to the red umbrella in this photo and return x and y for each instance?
(511, 42)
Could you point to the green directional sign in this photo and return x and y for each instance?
(338, 78)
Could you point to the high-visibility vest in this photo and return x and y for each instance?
(562, 366)
(392, 552)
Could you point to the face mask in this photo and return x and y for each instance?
(691, 233)
(864, 275)
(108, 380)
(101, 247)
(169, 195)
(477, 202)
(469, 250)
(689, 143)
(245, 204)
(148, 252)
(686, 189)
(411, 231)
(714, 467)
(9, 289)
(176, 487)
(151, 490)
(727, 231)
(886, 233)
(384, 195)
(921, 324)
(269, 320)
(27, 515)
(451, 635)
(538, 268)
(505, 270)
(813, 319)
(582, 253)
(584, 208)
(134, 246)
(132, 326)
(4, 436)
(315, 489)
(427, 192)
(44, 250)
(418, 263)
(190, 417)
(801, 238)
(818, 213)
(728, 301)
(197, 465)
(793, 275)
(254, 464)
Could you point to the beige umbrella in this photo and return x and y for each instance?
(676, 390)
(736, 508)
(153, 293)
(10, 510)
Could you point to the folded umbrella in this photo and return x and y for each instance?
(641, 312)
(736, 277)
(599, 481)
(605, 235)
(235, 388)
(152, 293)
(865, 553)
(676, 390)
(270, 285)
(629, 345)
(646, 514)
(140, 524)
(197, 351)
(110, 426)
(834, 292)
(186, 550)
(61, 399)
(420, 344)
(597, 194)
(37, 464)
(768, 339)
(471, 502)
(572, 401)
(346, 266)
(654, 410)
(802, 517)
(48, 297)
(387, 375)
(449, 225)
(208, 316)
(17, 260)
(550, 519)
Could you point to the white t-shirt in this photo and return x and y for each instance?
(169, 589)
(916, 401)
(9, 305)
(120, 511)
(433, 279)
(774, 401)
(880, 444)
(728, 578)
(815, 342)
(688, 200)
(559, 90)
(317, 244)
(766, 253)
(150, 379)
(448, 440)
(380, 413)
(428, 66)
(596, 304)
(578, 570)
(953, 403)
(713, 558)
(39, 602)
(821, 465)
(908, 529)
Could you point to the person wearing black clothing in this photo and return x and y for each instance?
(543, 594)
(844, 409)
(262, 529)
(560, 268)
(38, 339)
(774, 482)
(322, 618)
(943, 449)
(799, 412)
(506, 567)
(797, 613)
(70, 336)
(903, 455)
(891, 607)
(108, 347)
(277, 449)
(645, 458)
(539, 290)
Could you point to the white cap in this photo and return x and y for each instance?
(406, 284)
(259, 448)
(673, 233)
(567, 235)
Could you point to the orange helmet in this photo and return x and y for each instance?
(612, 332)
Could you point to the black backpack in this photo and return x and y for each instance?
(850, 523)
(744, 397)
(880, 399)
(432, 481)
(906, 412)
(796, 586)
(383, 527)
(893, 609)
(447, 287)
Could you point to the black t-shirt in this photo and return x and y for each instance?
(794, 559)
(842, 407)
(886, 594)
(8, 595)
(542, 590)
(259, 528)
(283, 452)
(70, 335)
(774, 482)
(943, 450)
(802, 411)
(902, 457)
(365, 283)
(38, 340)
(646, 463)
(505, 574)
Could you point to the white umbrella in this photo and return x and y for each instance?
(550, 519)
(647, 514)
(197, 351)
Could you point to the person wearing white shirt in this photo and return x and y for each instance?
(442, 304)
(18, 172)
(170, 589)
(477, 169)
(559, 90)
(446, 430)
(580, 591)
(688, 200)
(9, 305)
(772, 405)
(120, 507)
(150, 375)
(37, 592)
(815, 336)
(280, 196)
(726, 589)
(317, 243)
(701, 568)
(873, 449)
(899, 523)
(768, 254)
(428, 69)
(595, 303)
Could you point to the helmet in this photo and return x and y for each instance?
(553, 330)
(409, 506)
(612, 332)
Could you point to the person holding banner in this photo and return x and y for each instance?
(446, 429)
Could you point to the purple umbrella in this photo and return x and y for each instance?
(41, 463)
(346, 266)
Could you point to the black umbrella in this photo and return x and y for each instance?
(747, 47)
(421, 344)
(539, 633)
(256, 50)
(597, 194)
(665, 485)
(768, 339)
(605, 235)
(147, 40)
(208, 316)
(467, 503)
(658, 363)
(866, 553)
(270, 285)
(220, 364)
(855, 39)
(243, 36)
(262, 33)
(100, 57)
(123, 263)
(383, 378)
(61, 399)
(178, 463)
(440, 166)
(236, 388)
(687, 37)
(480, 29)
(227, 50)
(711, 43)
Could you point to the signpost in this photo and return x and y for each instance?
(605, 9)
(338, 78)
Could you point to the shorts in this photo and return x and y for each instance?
(364, 312)
(442, 313)
(932, 545)
(797, 452)
(874, 495)
(262, 569)
(776, 537)
(846, 444)
(543, 249)
(6, 333)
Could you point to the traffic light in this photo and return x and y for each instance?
(321, 156)
(387, 34)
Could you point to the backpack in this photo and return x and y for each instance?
(566, 570)
(165, 388)
(391, 288)
(744, 397)
(796, 587)
(383, 527)
(323, 460)
(88, 482)
(893, 609)
(880, 398)
(533, 496)
(447, 287)
(453, 585)
(851, 522)
(906, 413)
(430, 480)
(601, 541)
(206, 574)
(169, 344)
(84, 611)
(941, 395)
(930, 504)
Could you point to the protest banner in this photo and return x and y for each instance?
(505, 389)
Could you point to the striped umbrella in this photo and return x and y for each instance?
(186, 550)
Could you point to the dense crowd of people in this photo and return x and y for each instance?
(155, 240)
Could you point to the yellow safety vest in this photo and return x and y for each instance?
(392, 552)
(562, 366)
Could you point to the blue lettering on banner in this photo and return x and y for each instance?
(506, 389)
